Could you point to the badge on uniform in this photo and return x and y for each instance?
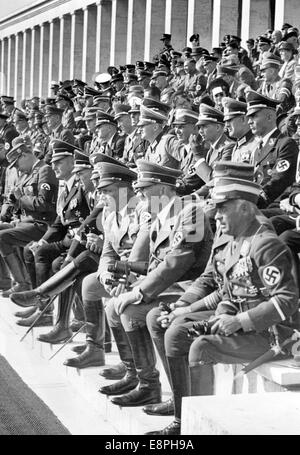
(28, 189)
(145, 217)
(191, 170)
(272, 142)
(271, 275)
(178, 237)
(7, 145)
(73, 203)
(243, 267)
(45, 186)
(282, 165)
(77, 213)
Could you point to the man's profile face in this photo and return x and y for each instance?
(228, 217)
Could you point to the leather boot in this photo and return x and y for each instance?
(5, 281)
(78, 313)
(107, 341)
(53, 286)
(19, 273)
(181, 381)
(93, 355)
(149, 389)
(130, 380)
(25, 313)
(107, 344)
(61, 331)
(167, 407)
(202, 380)
(44, 320)
(181, 386)
(114, 372)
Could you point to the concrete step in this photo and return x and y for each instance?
(253, 414)
(83, 382)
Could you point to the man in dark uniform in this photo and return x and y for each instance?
(275, 158)
(237, 127)
(35, 200)
(111, 143)
(72, 209)
(53, 116)
(8, 107)
(250, 270)
(180, 243)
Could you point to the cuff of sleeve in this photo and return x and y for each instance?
(245, 321)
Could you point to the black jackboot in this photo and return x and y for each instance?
(19, 273)
(107, 345)
(51, 287)
(149, 388)
(45, 319)
(165, 408)
(93, 355)
(61, 331)
(130, 381)
(181, 386)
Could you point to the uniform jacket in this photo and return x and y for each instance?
(164, 151)
(275, 165)
(39, 194)
(221, 150)
(134, 147)
(180, 245)
(256, 278)
(67, 119)
(120, 236)
(73, 208)
(244, 148)
(114, 147)
(8, 133)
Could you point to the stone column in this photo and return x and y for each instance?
(179, 19)
(157, 26)
(76, 44)
(44, 60)
(16, 91)
(136, 30)
(3, 69)
(168, 16)
(286, 11)
(103, 34)
(84, 42)
(64, 47)
(8, 82)
(118, 32)
(24, 68)
(54, 40)
(203, 15)
(259, 17)
(91, 39)
(225, 19)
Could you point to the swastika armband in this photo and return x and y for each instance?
(271, 275)
(282, 165)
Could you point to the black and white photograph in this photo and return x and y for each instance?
(150, 220)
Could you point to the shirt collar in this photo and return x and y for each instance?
(267, 137)
(164, 212)
(70, 182)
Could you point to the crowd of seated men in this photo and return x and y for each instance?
(159, 206)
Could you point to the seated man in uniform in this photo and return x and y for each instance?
(180, 244)
(250, 270)
(34, 199)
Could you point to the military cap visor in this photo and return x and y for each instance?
(61, 150)
(110, 173)
(151, 174)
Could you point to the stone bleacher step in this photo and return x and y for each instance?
(87, 381)
(253, 414)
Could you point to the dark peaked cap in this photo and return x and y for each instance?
(114, 173)
(208, 114)
(234, 181)
(61, 149)
(97, 158)
(256, 102)
(81, 162)
(152, 173)
(233, 108)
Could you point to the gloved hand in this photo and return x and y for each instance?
(133, 297)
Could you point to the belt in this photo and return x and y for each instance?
(246, 304)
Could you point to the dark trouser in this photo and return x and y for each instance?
(19, 236)
(40, 264)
